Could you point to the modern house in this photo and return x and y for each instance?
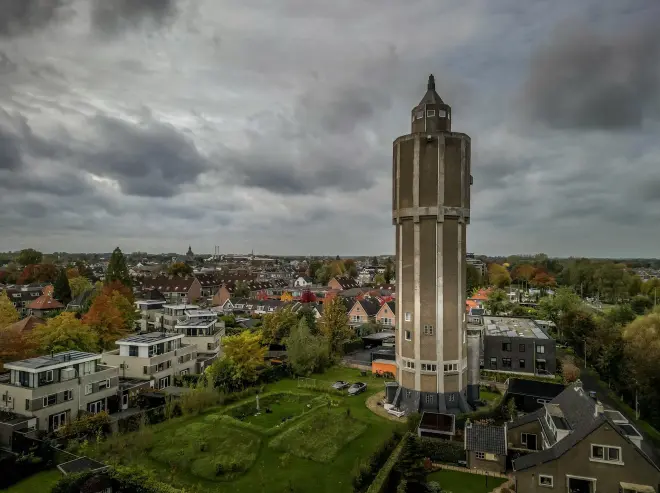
(171, 315)
(155, 356)
(202, 329)
(517, 345)
(55, 388)
(574, 444)
(530, 395)
(485, 447)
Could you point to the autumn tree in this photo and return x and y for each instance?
(498, 275)
(497, 302)
(246, 353)
(29, 256)
(117, 269)
(570, 371)
(523, 273)
(8, 314)
(334, 325)
(79, 285)
(64, 332)
(61, 288)
(180, 268)
(38, 273)
(306, 352)
(13, 344)
(241, 290)
(350, 268)
(107, 319)
(277, 326)
(543, 281)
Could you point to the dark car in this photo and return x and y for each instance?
(357, 388)
(340, 384)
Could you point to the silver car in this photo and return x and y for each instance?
(357, 388)
(340, 384)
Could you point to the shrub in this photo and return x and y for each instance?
(366, 471)
(441, 450)
(87, 426)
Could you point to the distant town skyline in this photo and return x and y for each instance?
(172, 124)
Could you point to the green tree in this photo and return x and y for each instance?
(310, 318)
(78, 285)
(472, 279)
(389, 271)
(351, 268)
(497, 302)
(634, 286)
(640, 304)
(498, 275)
(180, 269)
(29, 256)
(61, 288)
(277, 326)
(242, 290)
(64, 332)
(307, 353)
(117, 269)
(8, 314)
(411, 465)
(246, 352)
(379, 279)
(334, 325)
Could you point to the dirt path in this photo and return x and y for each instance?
(372, 403)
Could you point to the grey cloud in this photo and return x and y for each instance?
(19, 17)
(586, 78)
(113, 16)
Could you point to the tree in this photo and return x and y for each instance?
(563, 301)
(351, 268)
(542, 280)
(78, 285)
(323, 274)
(307, 353)
(180, 268)
(334, 325)
(634, 286)
(38, 273)
(14, 345)
(246, 353)
(8, 314)
(374, 261)
(64, 332)
(523, 272)
(72, 273)
(107, 320)
(29, 256)
(126, 309)
(277, 326)
(570, 372)
(61, 288)
(117, 269)
(411, 466)
(498, 275)
(640, 304)
(379, 279)
(308, 314)
(241, 290)
(389, 271)
(497, 302)
(472, 279)
(313, 267)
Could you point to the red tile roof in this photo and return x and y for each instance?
(45, 302)
(26, 325)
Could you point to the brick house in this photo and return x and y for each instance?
(341, 283)
(485, 447)
(386, 315)
(363, 311)
(44, 306)
(175, 289)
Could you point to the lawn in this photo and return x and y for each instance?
(464, 482)
(282, 406)
(489, 397)
(316, 452)
(320, 436)
(42, 481)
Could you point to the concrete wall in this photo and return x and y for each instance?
(635, 468)
(134, 366)
(498, 464)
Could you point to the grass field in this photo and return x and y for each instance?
(463, 482)
(217, 452)
(38, 483)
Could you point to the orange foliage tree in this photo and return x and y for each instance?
(38, 273)
(107, 320)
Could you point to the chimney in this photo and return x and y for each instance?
(598, 409)
(577, 384)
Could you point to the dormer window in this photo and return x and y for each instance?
(430, 113)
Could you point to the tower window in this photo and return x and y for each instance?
(430, 113)
(442, 113)
(408, 335)
(429, 398)
(420, 115)
(428, 330)
(408, 316)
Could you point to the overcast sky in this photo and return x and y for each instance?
(268, 125)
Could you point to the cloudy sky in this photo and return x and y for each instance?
(268, 125)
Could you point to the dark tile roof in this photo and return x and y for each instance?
(346, 282)
(80, 464)
(392, 306)
(485, 438)
(166, 284)
(55, 359)
(370, 306)
(533, 388)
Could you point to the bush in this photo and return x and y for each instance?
(87, 426)
(441, 450)
(366, 471)
(186, 380)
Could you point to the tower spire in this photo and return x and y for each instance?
(431, 85)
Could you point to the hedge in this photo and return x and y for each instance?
(381, 481)
(442, 450)
(367, 471)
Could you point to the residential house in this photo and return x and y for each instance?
(363, 311)
(151, 314)
(171, 315)
(386, 315)
(366, 275)
(175, 289)
(22, 296)
(258, 289)
(56, 388)
(44, 306)
(26, 325)
(530, 395)
(485, 447)
(574, 444)
(341, 283)
(303, 282)
(202, 329)
(155, 356)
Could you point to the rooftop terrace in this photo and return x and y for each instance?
(512, 327)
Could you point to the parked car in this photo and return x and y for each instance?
(357, 388)
(340, 384)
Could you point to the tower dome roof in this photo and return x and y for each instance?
(431, 97)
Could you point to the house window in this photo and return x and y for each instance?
(451, 367)
(442, 113)
(49, 376)
(605, 453)
(429, 398)
(506, 362)
(68, 395)
(545, 480)
(428, 330)
(506, 346)
(408, 316)
(410, 365)
(408, 335)
(521, 348)
(540, 349)
(420, 115)
(430, 113)
(49, 400)
(521, 364)
(132, 350)
(480, 455)
(524, 438)
(88, 389)
(408, 394)
(493, 363)
(452, 397)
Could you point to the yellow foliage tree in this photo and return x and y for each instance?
(246, 352)
(79, 285)
(286, 296)
(8, 314)
(64, 333)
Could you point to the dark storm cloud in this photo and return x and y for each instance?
(605, 78)
(112, 16)
(151, 159)
(18, 17)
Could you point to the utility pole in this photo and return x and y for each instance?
(585, 354)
